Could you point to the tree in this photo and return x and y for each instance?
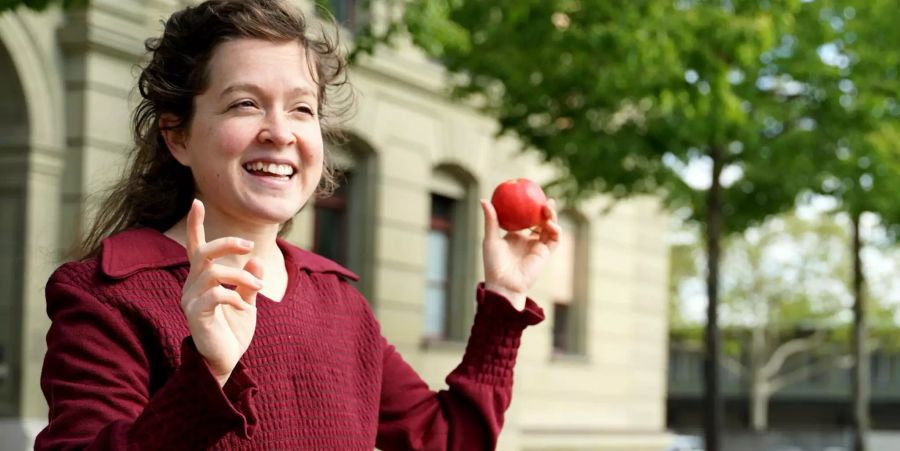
(39, 5)
(864, 177)
(785, 296)
(628, 97)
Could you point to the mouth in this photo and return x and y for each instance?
(275, 170)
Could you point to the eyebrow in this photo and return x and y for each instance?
(250, 87)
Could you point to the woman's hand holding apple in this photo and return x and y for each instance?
(512, 262)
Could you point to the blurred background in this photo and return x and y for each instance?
(727, 172)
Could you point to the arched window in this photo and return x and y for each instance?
(14, 144)
(569, 290)
(343, 223)
(450, 248)
(331, 228)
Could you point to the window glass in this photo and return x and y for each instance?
(437, 267)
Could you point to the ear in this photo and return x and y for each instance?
(175, 138)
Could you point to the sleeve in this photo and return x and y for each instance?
(96, 379)
(469, 414)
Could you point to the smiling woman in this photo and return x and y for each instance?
(158, 189)
(254, 144)
(189, 324)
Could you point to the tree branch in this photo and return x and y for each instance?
(734, 365)
(804, 372)
(776, 361)
(842, 361)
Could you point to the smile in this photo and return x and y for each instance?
(269, 169)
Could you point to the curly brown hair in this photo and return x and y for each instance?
(155, 190)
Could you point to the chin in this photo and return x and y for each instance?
(275, 214)
(278, 217)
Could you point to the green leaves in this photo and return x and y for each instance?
(865, 174)
(606, 89)
(791, 271)
(629, 97)
(40, 5)
(431, 18)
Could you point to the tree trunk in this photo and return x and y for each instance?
(760, 406)
(713, 396)
(759, 384)
(860, 352)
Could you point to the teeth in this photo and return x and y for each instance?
(271, 168)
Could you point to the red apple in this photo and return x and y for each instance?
(518, 203)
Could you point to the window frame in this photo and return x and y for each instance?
(444, 227)
(339, 201)
(578, 308)
(355, 157)
(455, 183)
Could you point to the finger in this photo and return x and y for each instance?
(551, 222)
(254, 267)
(212, 298)
(221, 247)
(549, 210)
(196, 235)
(550, 234)
(215, 275)
(491, 227)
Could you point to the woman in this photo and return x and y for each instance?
(189, 324)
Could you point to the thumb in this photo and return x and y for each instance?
(491, 227)
(253, 266)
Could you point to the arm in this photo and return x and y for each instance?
(96, 379)
(469, 414)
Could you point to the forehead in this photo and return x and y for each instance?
(257, 60)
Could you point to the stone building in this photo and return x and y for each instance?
(592, 376)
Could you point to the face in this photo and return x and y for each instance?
(254, 144)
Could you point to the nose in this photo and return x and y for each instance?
(277, 131)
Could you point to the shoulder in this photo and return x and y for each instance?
(123, 256)
(81, 273)
(136, 250)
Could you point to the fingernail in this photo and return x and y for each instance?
(246, 243)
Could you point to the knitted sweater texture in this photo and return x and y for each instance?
(121, 371)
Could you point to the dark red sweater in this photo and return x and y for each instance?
(121, 371)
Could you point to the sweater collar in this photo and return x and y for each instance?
(141, 249)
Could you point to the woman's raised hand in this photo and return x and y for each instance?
(513, 262)
(222, 321)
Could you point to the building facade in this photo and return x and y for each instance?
(591, 377)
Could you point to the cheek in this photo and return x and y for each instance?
(230, 142)
(314, 153)
(319, 163)
(318, 157)
(218, 147)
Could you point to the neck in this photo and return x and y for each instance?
(216, 226)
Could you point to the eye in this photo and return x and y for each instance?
(306, 109)
(242, 104)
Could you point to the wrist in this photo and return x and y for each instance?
(515, 298)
